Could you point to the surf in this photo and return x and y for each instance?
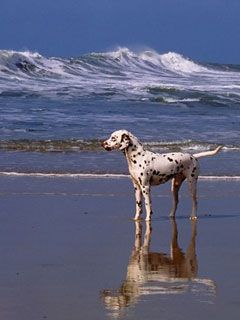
(118, 75)
(99, 175)
(94, 145)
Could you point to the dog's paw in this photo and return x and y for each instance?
(137, 219)
(148, 219)
(193, 217)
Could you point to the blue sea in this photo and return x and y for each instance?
(55, 111)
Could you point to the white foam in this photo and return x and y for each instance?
(98, 175)
(234, 178)
(172, 100)
(177, 63)
(127, 73)
(63, 175)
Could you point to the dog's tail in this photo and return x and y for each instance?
(207, 153)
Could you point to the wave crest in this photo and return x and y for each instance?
(171, 61)
(119, 74)
(13, 61)
(177, 63)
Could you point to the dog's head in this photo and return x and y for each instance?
(119, 140)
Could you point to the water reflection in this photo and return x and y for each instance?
(158, 273)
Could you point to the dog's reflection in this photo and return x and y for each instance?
(158, 273)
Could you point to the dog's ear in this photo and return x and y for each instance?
(125, 141)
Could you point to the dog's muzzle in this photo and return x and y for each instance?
(105, 146)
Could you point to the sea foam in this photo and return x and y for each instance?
(120, 74)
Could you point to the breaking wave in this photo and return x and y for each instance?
(120, 75)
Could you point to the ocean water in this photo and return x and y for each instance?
(55, 111)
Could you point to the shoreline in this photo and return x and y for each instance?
(102, 163)
(100, 175)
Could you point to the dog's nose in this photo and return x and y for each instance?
(105, 146)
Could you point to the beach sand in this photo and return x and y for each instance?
(69, 250)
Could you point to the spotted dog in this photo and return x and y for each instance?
(149, 169)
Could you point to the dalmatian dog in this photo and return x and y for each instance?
(149, 169)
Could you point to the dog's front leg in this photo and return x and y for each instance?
(138, 197)
(148, 202)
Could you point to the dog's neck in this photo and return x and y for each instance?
(134, 151)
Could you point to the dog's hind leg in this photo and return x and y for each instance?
(176, 184)
(193, 190)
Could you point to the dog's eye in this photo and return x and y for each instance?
(113, 139)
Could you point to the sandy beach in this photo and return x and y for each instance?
(69, 250)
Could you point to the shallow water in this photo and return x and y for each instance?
(53, 268)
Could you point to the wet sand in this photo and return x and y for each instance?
(69, 250)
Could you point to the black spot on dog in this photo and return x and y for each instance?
(139, 203)
(140, 180)
(192, 175)
(170, 159)
(176, 161)
(140, 165)
(141, 174)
